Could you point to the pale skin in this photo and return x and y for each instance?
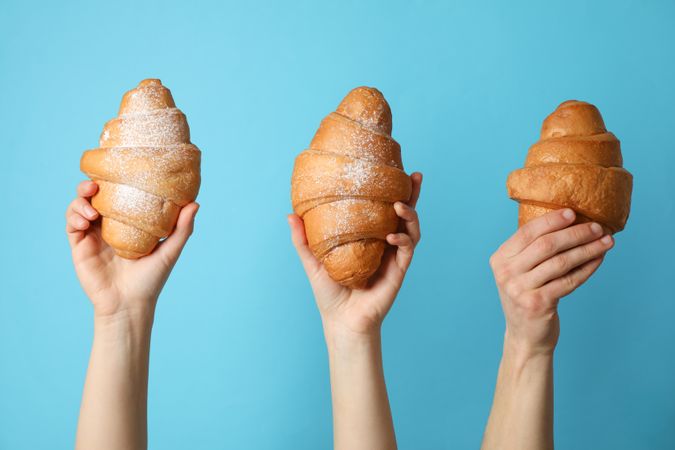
(352, 319)
(542, 262)
(124, 293)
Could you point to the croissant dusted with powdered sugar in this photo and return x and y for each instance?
(576, 164)
(345, 184)
(146, 170)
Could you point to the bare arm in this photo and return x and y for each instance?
(522, 409)
(361, 413)
(545, 260)
(113, 413)
(114, 402)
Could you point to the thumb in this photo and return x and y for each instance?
(299, 238)
(170, 249)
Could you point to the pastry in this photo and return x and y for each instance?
(344, 186)
(576, 164)
(146, 169)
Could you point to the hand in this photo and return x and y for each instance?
(361, 311)
(114, 284)
(543, 261)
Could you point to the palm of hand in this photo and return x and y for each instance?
(363, 310)
(114, 283)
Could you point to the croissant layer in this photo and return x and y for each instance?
(344, 186)
(146, 169)
(576, 164)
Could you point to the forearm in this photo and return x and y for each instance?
(113, 414)
(522, 410)
(361, 413)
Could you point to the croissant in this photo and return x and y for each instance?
(576, 164)
(345, 184)
(146, 170)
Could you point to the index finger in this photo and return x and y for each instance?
(87, 188)
(416, 179)
(528, 233)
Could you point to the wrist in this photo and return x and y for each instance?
(117, 308)
(341, 339)
(521, 353)
(125, 324)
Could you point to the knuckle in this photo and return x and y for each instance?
(578, 233)
(513, 289)
(78, 204)
(526, 233)
(589, 251)
(561, 262)
(545, 244)
(502, 273)
(493, 261)
(550, 220)
(569, 282)
(532, 302)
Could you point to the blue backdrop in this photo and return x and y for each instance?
(238, 358)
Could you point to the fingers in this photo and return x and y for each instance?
(171, 248)
(564, 285)
(549, 245)
(405, 250)
(309, 261)
(416, 179)
(410, 221)
(75, 222)
(79, 215)
(528, 233)
(86, 189)
(565, 262)
(408, 239)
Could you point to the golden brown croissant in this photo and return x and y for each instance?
(576, 164)
(146, 170)
(345, 184)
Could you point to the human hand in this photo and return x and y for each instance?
(113, 284)
(543, 261)
(361, 311)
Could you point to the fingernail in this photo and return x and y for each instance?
(91, 212)
(568, 214)
(596, 228)
(607, 239)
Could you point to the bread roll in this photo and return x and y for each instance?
(345, 184)
(146, 170)
(576, 164)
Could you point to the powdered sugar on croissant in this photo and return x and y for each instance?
(146, 169)
(345, 184)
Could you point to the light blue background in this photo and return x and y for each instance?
(238, 358)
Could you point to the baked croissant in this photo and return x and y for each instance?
(146, 170)
(576, 164)
(345, 184)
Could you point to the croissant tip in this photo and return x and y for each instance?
(369, 89)
(367, 106)
(150, 82)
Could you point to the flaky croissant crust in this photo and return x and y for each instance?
(345, 183)
(146, 169)
(576, 164)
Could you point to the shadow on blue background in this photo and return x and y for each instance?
(238, 358)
